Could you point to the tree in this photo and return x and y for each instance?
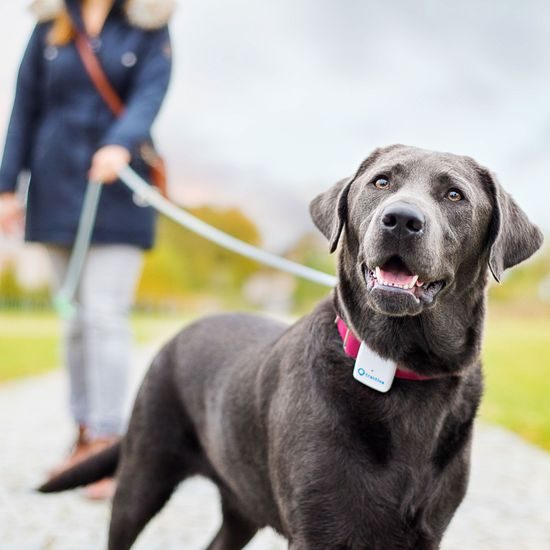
(183, 264)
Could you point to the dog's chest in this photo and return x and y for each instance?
(363, 467)
(346, 501)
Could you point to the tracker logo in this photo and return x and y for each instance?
(363, 372)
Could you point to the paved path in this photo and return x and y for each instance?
(507, 506)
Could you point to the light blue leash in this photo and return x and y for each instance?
(183, 218)
(63, 300)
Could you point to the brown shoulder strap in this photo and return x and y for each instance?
(97, 75)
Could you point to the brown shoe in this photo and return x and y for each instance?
(79, 451)
(104, 489)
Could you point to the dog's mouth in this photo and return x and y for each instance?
(394, 276)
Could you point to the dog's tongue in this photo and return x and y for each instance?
(396, 277)
(395, 273)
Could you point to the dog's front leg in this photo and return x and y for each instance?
(235, 531)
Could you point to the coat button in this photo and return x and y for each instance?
(128, 59)
(50, 53)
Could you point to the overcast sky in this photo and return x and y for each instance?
(273, 101)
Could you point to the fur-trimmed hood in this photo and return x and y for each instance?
(145, 14)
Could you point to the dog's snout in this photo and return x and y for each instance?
(403, 219)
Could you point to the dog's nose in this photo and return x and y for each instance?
(403, 219)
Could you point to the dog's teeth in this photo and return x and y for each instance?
(406, 286)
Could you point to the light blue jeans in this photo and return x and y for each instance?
(97, 343)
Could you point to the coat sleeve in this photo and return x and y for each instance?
(24, 115)
(146, 96)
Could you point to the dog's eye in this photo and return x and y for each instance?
(454, 195)
(381, 183)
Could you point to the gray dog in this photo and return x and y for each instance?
(277, 415)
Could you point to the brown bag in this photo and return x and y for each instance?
(147, 151)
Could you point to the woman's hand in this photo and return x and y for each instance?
(107, 162)
(11, 213)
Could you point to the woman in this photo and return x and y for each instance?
(63, 132)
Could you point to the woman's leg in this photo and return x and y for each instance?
(73, 345)
(108, 284)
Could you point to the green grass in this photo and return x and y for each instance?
(516, 361)
(30, 342)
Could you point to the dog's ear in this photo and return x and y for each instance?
(512, 237)
(329, 211)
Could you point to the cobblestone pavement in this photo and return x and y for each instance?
(507, 506)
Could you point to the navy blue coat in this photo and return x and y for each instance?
(59, 121)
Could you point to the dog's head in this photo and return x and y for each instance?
(419, 225)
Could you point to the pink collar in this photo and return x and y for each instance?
(352, 344)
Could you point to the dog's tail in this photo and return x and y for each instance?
(98, 466)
